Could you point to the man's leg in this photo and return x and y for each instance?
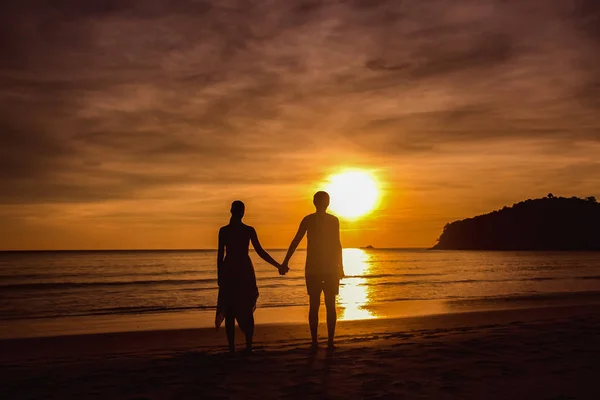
(313, 316)
(331, 317)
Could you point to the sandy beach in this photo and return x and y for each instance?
(543, 353)
(425, 174)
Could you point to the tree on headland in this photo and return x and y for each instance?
(549, 223)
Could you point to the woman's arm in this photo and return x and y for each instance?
(260, 251)
(220, 255)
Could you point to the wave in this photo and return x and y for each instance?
(78, 285)
(140, 310)
(371, 280)
(152, 282)
(375, 276)
(80, 275)
(135, 310)
(427, 282)
(517, 297)
(109, 311)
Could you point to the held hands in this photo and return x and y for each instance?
(283, 268)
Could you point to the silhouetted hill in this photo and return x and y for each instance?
(551, 223)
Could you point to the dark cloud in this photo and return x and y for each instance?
(485, 53)
(114, 99)
(586, 17)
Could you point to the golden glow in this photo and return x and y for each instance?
(354, 296)
(353, 193)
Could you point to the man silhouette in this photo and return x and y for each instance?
(324, 266)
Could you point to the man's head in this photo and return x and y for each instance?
(237, 209)
(321, 200)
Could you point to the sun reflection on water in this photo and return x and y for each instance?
(354, 296)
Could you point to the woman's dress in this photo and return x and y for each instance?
(237, 282)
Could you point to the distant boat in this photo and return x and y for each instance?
(369, 247)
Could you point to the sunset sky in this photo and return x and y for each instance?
(134, 124)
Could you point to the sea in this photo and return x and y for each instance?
(46, 293)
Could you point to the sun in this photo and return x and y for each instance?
(353, 194)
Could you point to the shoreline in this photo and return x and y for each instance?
(536, 353)
(266, 334)
(120, 323)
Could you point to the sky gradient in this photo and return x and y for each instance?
(131, 125)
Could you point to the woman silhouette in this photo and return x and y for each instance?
(237, 283)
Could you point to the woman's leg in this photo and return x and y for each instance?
(250, 332)
(247, 326)
(230, 329)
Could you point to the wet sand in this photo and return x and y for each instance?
(541, 353)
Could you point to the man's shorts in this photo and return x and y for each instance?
(328, 284)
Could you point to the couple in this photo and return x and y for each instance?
(237, 283)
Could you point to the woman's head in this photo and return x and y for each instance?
(237, 209)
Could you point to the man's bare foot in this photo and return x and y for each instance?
(248, 351)
(314, 346)
(330, 345)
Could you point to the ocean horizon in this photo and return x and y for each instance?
(199, 249)
(54, 292)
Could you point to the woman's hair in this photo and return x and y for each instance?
(237, 209)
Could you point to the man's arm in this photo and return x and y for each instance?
(340, 254)
(295, 242)
(220, 255)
